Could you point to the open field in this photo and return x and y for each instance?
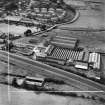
(24, 97)
(92, 18)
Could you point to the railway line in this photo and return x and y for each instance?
(52, 72)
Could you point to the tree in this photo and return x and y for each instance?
(11, 6)
(28, 32)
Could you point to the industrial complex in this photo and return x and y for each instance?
(49, 44)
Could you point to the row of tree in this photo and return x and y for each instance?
(9, 5)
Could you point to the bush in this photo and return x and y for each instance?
(102, 100)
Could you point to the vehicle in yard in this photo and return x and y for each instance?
(21, 81)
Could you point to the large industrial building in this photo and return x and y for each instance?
(52, 52)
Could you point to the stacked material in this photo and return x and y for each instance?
(95, 59)
(64, 53)
(64, 41)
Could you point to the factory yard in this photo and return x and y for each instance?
(77, 48)
(96, 41)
